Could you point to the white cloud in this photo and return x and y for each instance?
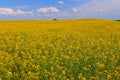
(75, 10)
(20, 12)
(100, 8)
(10, 11)
(60, 2)
(47, 10)
(43, 10)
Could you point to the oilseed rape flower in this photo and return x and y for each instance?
(60, 50)
(9, 73)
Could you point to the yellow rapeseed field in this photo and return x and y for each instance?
(60, 50)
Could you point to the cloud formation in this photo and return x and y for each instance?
(10, 11)
(47, 10)
(75, 10)
(100, 8)
(108, 9)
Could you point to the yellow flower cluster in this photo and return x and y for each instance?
(60, 50)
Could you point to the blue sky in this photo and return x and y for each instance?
(60, 9)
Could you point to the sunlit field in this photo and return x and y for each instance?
(60, 50)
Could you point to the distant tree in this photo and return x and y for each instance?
(55, 19)
(118, 20)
